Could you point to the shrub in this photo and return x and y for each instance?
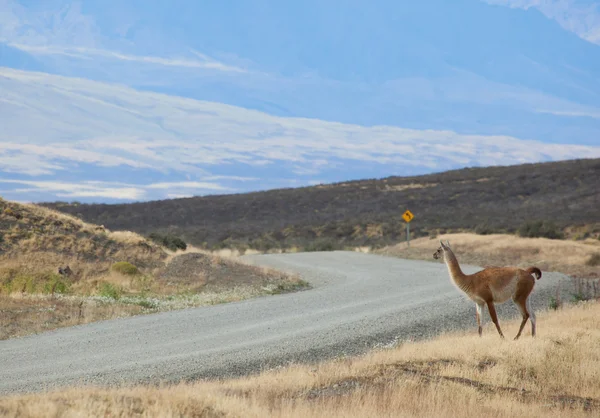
(109, 290)
(43, 283)
(142, 282)
(18, 282)
(594, 260)
(54, 283)
(322, 244)
(540, 229)
(147, 304)
(169, 241)
(125, 268)
(484, 229)
(264, 243)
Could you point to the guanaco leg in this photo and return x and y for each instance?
(478, 314)
(492, 310)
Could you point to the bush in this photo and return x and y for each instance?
(485, 229)
(44, 283)
(54, 283)
(19, 283)
(171, 242)
(540, 229)
(147, 304)
(125, 268)
(109, 290)
(321, 245)
(263, 243)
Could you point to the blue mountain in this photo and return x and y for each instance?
(463, 65)
(416, 64)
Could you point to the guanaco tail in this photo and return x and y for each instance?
(493, 285)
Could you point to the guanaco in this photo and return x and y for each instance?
(493, 285)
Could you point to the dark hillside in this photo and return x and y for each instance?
(368, 212)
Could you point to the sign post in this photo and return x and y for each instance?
(408, 216)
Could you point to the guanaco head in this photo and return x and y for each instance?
(440, 251)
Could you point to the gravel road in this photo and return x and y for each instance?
(359, 301)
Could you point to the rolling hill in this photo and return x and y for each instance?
(368, 212)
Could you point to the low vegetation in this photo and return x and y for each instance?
(169, 241)
(574, 258)
(541, 229)
(125, 268)
(536, 200)
(557, 374)
(109, 274)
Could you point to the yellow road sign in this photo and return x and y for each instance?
(408, 216)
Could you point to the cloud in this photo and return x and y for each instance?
(52, 122)
(111, 190)
(92, 54)
(178, 196)
(48, 23)
(232, 178)
(76, 190)
(56, 127)
(572, 113)
(63, 29)
(578, 16)
(34, 159)
(187, 185)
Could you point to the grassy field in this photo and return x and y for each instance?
(113, 274)
(575, 258)
(557, 374)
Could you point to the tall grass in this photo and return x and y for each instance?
(557, 374)
(569, 257)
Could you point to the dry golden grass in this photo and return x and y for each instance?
(22, 315)
(569, 257)
(36, 241)
(402, 187)
(28, 229)
(557, 374)
(123, 237)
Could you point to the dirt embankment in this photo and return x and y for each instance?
(110, 274)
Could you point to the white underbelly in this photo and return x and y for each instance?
(476, 299)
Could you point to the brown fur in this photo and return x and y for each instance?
(494, 285)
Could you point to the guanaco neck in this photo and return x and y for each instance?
(459, 278)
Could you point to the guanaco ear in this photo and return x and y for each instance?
(447, 243)
(442, 244)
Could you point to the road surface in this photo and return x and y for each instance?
(359, 301)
